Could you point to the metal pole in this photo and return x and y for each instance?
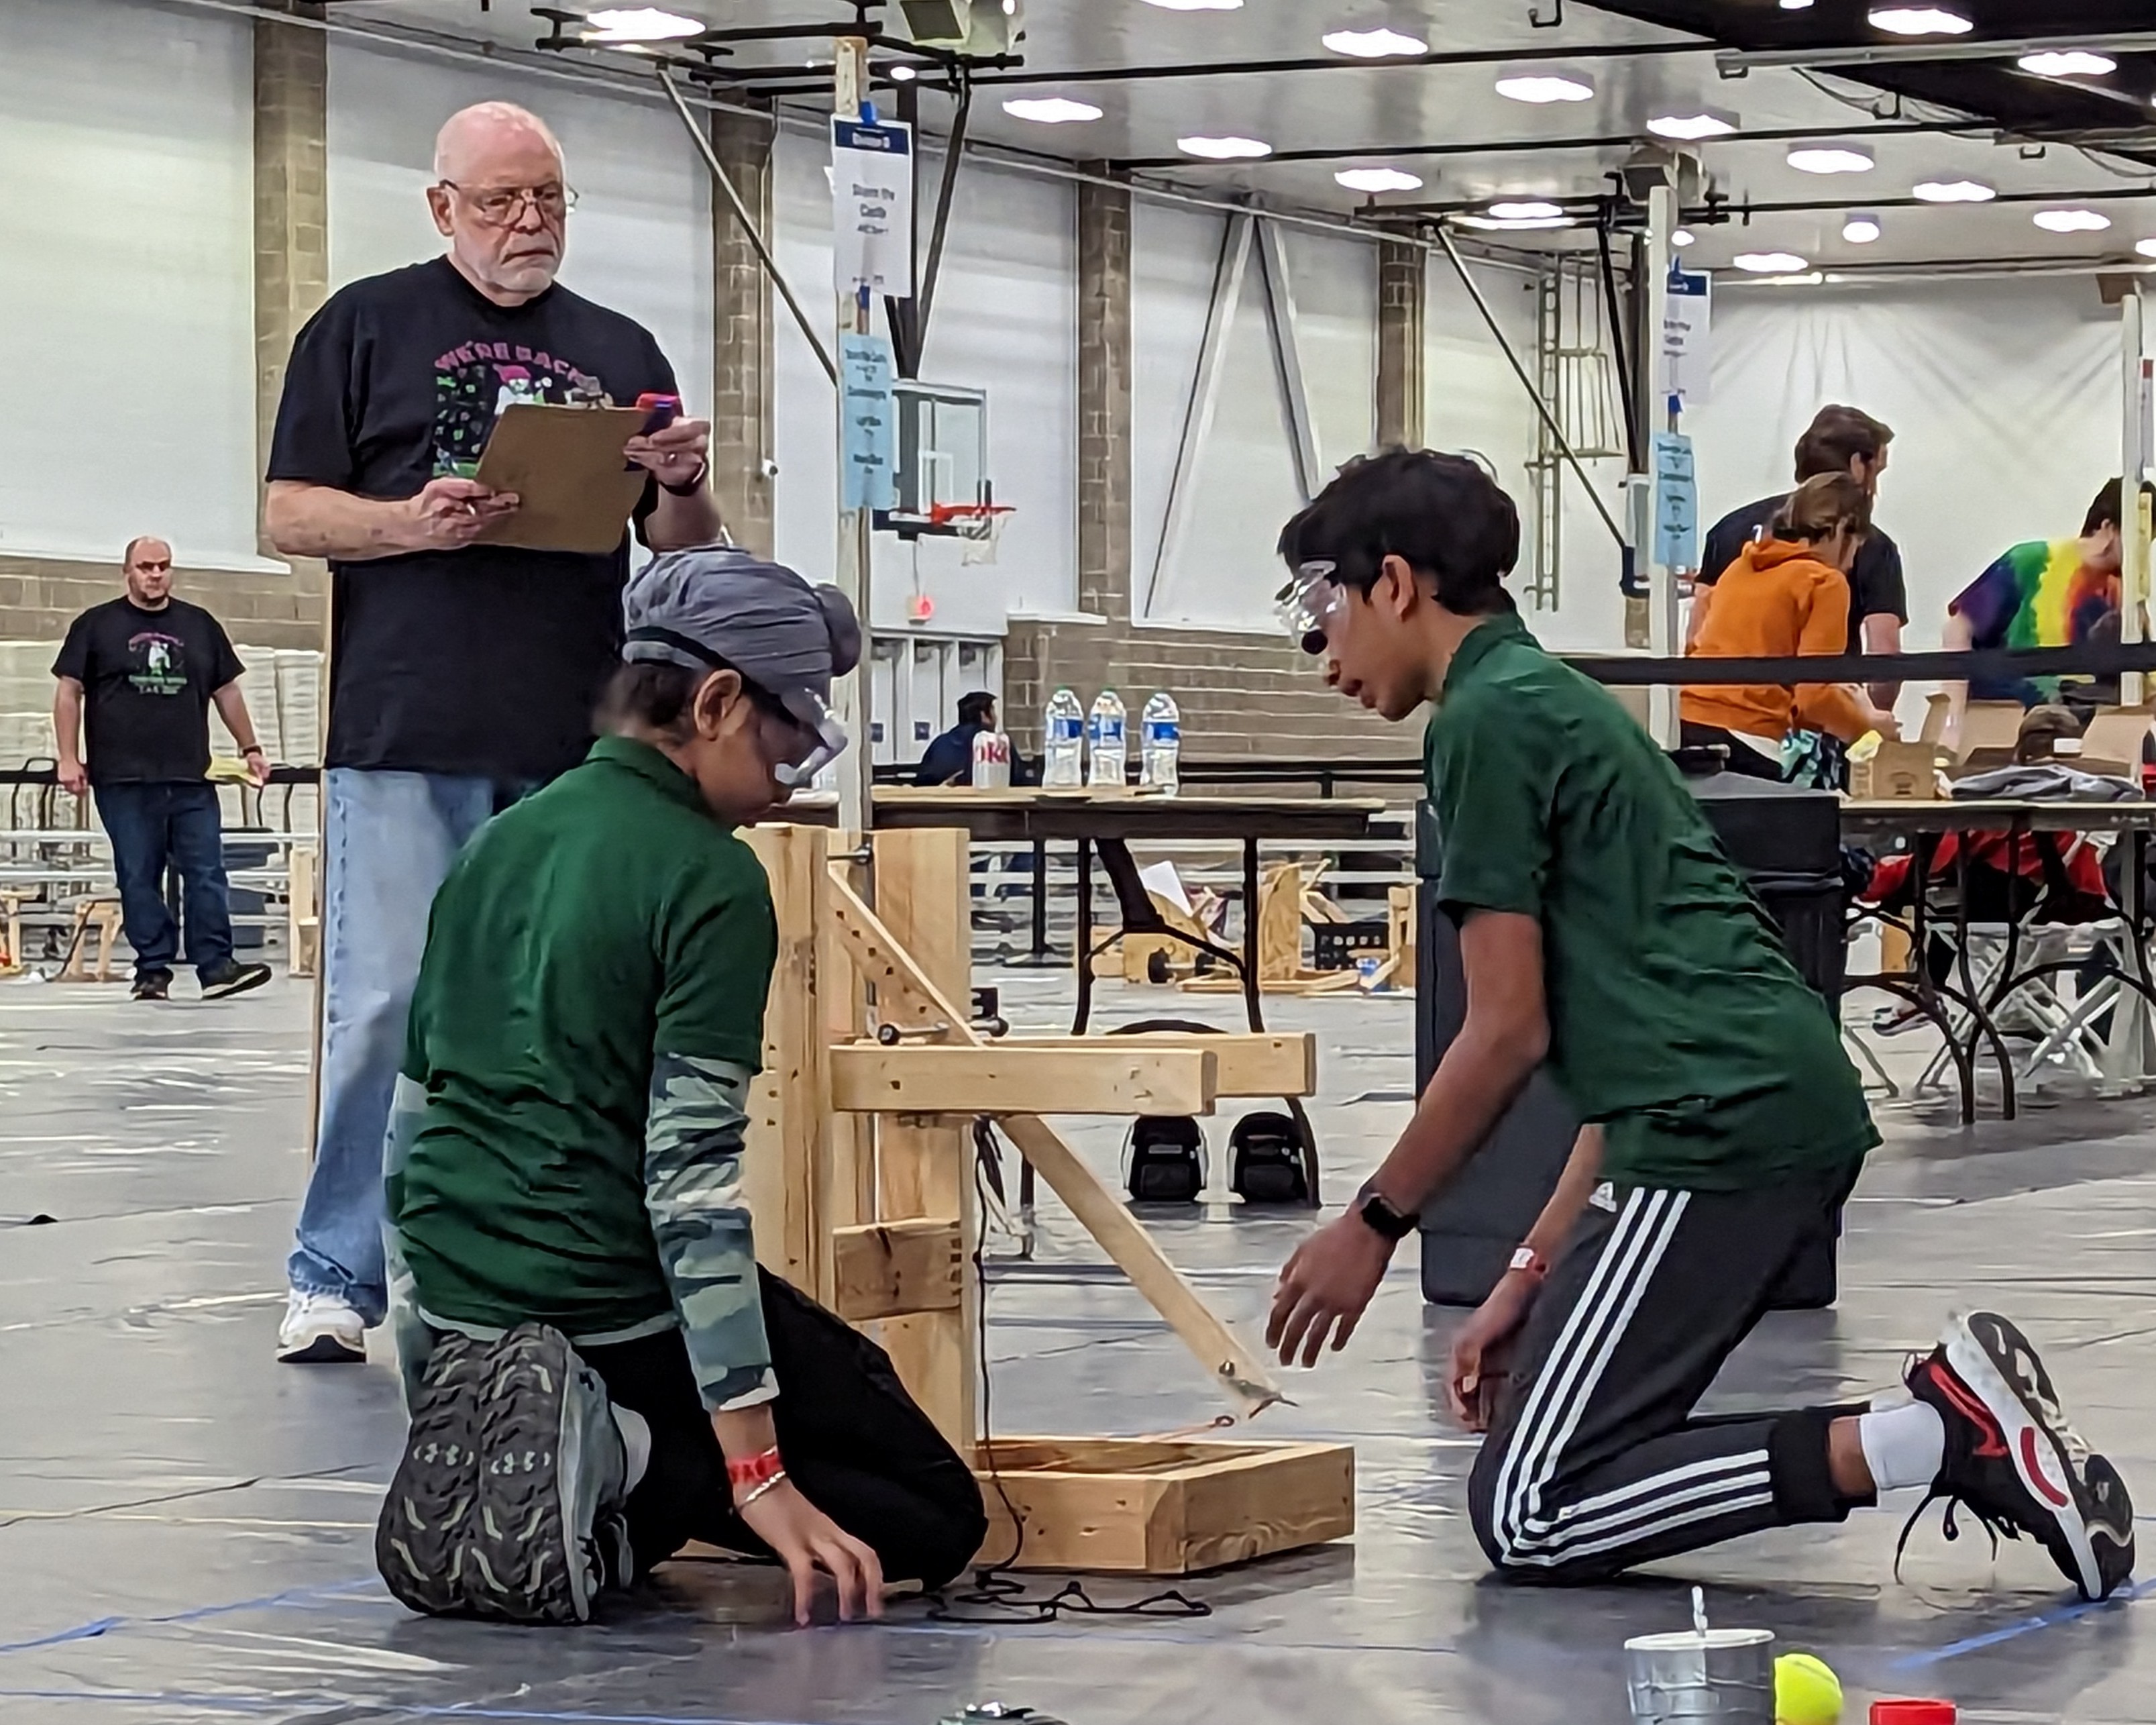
(1527, 383)
(851, 567)
(1663, 635)
(2134, 548)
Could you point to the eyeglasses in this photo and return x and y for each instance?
(1311, 603)
(503, 206)
(154, 568)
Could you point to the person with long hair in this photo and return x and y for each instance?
(1786, 596)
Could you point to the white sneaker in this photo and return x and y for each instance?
(321, 1329)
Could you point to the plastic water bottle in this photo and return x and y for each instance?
(1063, 731)
(991, 761)
(1161, 736)
(1107, 751)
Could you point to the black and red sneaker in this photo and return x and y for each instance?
(2013, 1460)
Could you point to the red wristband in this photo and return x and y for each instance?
(756, 1470)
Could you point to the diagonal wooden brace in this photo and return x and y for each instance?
(903, 993)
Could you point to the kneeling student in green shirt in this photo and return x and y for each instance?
(1602, 928)
(597, 1370)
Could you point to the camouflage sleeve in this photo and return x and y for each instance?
(700, 1219)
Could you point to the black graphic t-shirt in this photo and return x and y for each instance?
(485, 660)
(147, 677)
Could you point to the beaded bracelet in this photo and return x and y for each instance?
(759, 1491)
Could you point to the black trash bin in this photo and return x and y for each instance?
(1788, 842)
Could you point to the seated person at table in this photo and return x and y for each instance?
(1786, 596)
(2054, 877)
(2060, 593)
(949, 759)
(596, 1368)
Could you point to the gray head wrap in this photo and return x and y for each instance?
(686, 607)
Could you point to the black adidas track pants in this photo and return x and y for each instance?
(1595, 1461)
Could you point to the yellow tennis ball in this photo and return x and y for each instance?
(1806, 1692)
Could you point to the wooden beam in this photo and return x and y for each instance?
(786, 1166)
(1245, 1064)
(895, 1269)
(904, 995)
(925, 1167)
(848, 1194)
(1001, 1078)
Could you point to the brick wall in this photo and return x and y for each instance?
(1241, 695)
(39, 598)
(743, 434)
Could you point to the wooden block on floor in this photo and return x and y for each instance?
(1098, 1076)
(1162, 1507)
(894, 1269)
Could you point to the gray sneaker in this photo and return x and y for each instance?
(421, 1543)
(547, 1531)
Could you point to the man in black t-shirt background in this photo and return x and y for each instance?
(461, 674)
(144, 669)
(1839, 439)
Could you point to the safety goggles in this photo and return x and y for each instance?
(1311, 604)
(809, 736)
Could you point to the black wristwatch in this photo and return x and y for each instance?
(1379, 1216)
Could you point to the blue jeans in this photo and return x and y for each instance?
(389, 841)
(152, 826)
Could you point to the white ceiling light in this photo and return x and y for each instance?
(2071, 221)
(1373, 44)
(2146, 247)
(1830, 159)
(1953, 192)
(1920, 21)
(2068, 63)
(1683, 236)
(1690, 128)
(1377, 179)
(1861, 228)
(1796, 5)
(1770, 263)
(1224, 149)
(1520, 215)
(1197, 5)
(1050, 111)
(903, 74)
(641, 24)
(1547, 87)
(1533, 210)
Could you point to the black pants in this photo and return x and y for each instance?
(1742, 756)
(153, 827)
(852, 1439)
(1595, 1461)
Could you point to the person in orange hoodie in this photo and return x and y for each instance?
(1787, 595)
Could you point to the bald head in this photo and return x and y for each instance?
(147, 563)
(500, 198)
(474, 141)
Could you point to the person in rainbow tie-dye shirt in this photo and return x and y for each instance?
(2062, 592)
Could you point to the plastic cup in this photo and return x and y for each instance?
(1913, 1712)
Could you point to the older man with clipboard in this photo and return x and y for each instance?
(472, 625)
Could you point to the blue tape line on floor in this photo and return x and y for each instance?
(98, 1626)
(2026, 1626)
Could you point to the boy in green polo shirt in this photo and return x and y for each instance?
(1603, 929)
(596, 1368)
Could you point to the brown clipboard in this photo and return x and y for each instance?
(574, 490)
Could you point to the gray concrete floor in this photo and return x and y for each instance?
(185, 1525)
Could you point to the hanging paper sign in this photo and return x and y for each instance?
(1676, 502)
(868, 420)
(1687, 337)
(872, 207)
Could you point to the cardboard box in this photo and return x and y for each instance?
(1899, 772)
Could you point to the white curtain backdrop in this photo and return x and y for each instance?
(2004, 397)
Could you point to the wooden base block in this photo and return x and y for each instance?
(1162, 1507)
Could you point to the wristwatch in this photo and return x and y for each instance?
(1381, 1217)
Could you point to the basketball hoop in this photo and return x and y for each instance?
(980, 524)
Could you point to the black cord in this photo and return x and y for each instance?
(996, 1597)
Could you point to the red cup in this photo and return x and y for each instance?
(1912, 1712)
